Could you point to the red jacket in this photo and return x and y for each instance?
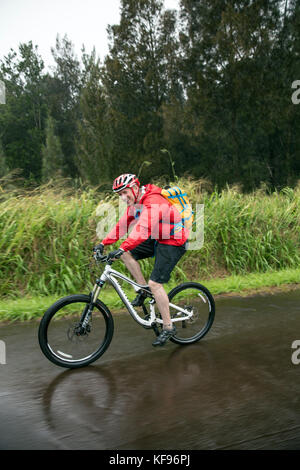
(154, 216)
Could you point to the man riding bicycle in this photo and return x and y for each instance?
(153, 219)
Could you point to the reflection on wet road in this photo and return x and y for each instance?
(235, 389)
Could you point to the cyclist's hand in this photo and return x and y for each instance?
(98, 251)
(99, 248)
(115, 254)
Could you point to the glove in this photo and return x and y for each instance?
(98, 251)
(115, 254)
(99, 248)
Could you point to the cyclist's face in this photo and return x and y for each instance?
(127, 195)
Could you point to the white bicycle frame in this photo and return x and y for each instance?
(110, 275)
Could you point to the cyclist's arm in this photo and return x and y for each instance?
(119, 230)
(146, 225)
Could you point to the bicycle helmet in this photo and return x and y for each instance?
(127, 180)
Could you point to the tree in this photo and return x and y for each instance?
(139, 77)
(22, 117)
(286, 63)
(234, 95)
(93, 143)
(3, 166)
(63, 99)
(53, 158)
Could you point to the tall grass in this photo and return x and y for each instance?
(252, 233)
(46, 236)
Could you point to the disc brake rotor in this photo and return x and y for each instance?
(77, 332)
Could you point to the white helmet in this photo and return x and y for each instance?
(127, 180)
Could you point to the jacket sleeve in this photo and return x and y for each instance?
(147, 225)
(119, 230)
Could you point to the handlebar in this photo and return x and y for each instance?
(110, 258)
(103, 258)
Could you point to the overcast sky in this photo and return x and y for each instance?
(84, 22)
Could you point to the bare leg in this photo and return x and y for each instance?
(134, 268)
(162, 301)
(158, 291)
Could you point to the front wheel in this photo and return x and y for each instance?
(65, 342)
(198, 300)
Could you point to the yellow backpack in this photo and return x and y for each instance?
(179, 199)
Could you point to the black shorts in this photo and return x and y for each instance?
(166, 257)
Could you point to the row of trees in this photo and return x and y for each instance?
(205, 91)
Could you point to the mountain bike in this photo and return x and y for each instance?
(77, 329)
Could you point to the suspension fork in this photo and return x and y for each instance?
(96, 291)
(88, 309)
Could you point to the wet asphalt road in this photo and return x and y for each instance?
(235, 389)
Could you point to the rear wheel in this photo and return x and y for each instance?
(64, 340)
(198, 300)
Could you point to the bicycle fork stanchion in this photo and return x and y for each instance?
(97, 287)
(82, 327)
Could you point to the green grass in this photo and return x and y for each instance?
(254, 281)
(29, 308)
(46, 236)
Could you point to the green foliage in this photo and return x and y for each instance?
(63, 95)
(252, 233)
(53, 159)
(3, 166)
(22, 117)
(47, 235)
(236, 67)
(211, 85)
(93, 142)
(139, 76)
